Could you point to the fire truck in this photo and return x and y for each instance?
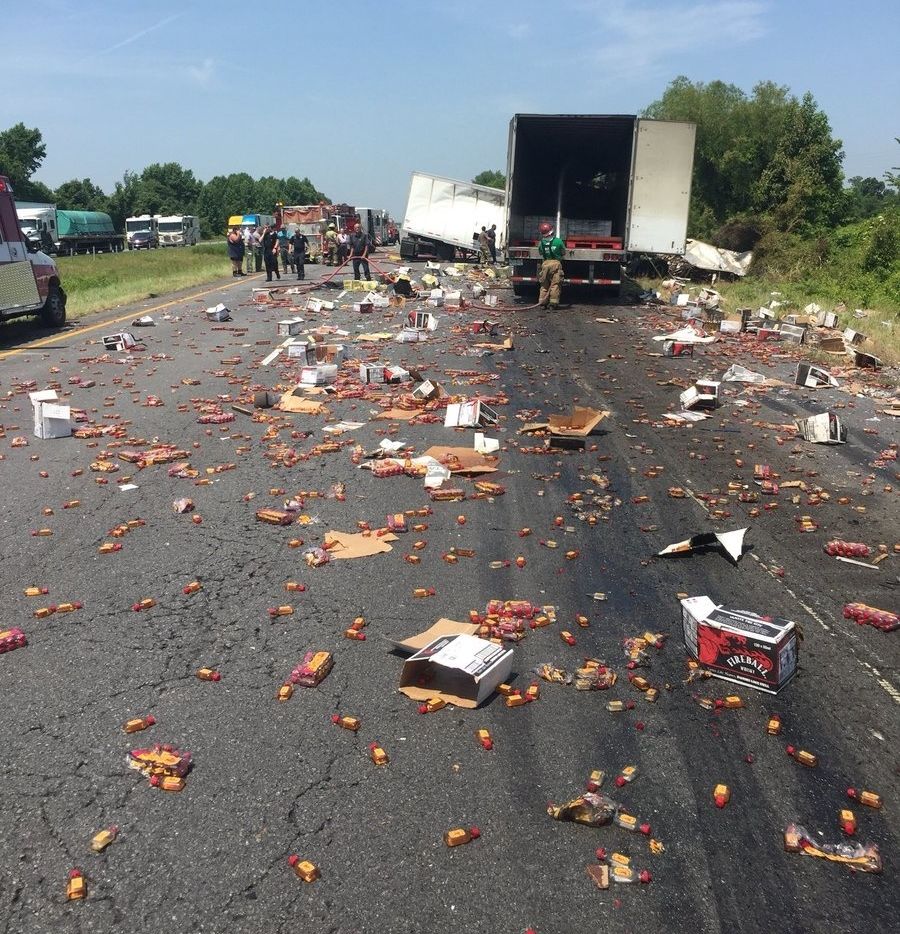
(29, 279)
(313, 220)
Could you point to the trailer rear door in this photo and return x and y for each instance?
(662, 163)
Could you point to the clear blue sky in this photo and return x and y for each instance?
(357, 94)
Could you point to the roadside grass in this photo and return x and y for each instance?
(108, 280)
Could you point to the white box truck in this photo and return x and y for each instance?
(444, 215)
(178, 230)
(609, 186)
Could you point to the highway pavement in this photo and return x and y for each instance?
(272, 779)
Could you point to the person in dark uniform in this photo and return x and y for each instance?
(359, 250)
(299, 245)
(270, 252)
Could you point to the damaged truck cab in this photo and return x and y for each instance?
(610, 186)
(29, 279)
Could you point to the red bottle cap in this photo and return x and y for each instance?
(639, 725)
(619, 781)
(645, 829)
(335, 718)
(600, 853)
(790, 750)
(848, 828)
(293, 859)
(154, 780)
(852, 793)
(149, 719)
(75, 873)
(474, 832)
(78, 605)
(645, 876)
(215, 676)
(423, 708)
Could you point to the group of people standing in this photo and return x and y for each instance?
(270, 244)
(357, 245)
(487, 245)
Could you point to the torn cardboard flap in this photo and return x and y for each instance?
(345, 545)
(443, 627)
(292, 402)
(578, 424)
(458, 667)
(461, 460)
(732, 543)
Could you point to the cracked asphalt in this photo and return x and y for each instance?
(273, 779)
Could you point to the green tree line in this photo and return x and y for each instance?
(766, 162)
(161, 188)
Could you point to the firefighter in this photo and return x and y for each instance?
(552, 250)
(331, 244)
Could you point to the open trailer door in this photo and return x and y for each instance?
(661, 167)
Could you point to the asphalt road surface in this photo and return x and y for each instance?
(273, 779)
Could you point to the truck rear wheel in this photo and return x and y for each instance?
(445, 252)
(53, 314)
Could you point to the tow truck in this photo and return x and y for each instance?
(29, 279)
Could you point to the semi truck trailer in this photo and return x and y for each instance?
(444, 215)
(68, 232)
(609, 185)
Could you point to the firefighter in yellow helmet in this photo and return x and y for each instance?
(331, 246)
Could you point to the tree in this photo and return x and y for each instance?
(81, 195)
(801, 187)
(748, 157)
(866, 197)
(121, 202)
(893, 177)
(222, 196)
(166, 189)
(22, 150)
(493, 178)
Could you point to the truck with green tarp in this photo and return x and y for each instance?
(68, 232)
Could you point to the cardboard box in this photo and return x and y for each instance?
(51, 420)
(290, 327)
(768, 334)
(740, 646)
(371, 372)
(394, 374)
(450, 662)
(261, 296)
(793, 332)
(824, 428)
(125, 341)
(216, 313)
(826, 319)
(853, 338)
(813, 376)
(677, 349)
(727, 326)
(426, 390)
(470, 414)
(411, 336)
(704, 394)
(422, 320)
(318, 375)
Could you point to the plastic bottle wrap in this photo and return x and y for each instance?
(551, 673)
(594, 676)
(592, 808)
(860, 856)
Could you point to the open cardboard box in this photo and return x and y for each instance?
(449, 661)
(470, 413)
(51, 420)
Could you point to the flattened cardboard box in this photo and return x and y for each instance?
(456, 666)
(740, 646)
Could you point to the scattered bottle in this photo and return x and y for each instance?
(192, 587)
(347, 723)
(532, 692)
(424, 592)
(354, 634)
(721, 795)
(36, 591)
(144, 604)
(515, 700)
(869, 798)
(595, 780)
(848, 822)
(773, 727)
(432, 704)
(101, 840)
(567, 637)
(167, 782)
(484, 737)
(208, 674)
(285, 692)
(294, 587)
(139, 723)
(76, 888)
(628, 774)
(11, 639)
(284, 610)
(44, 611)
(630, 822)
(304, 869)
(459, 836)
(377, 754)
(803, 757)
(69, 607)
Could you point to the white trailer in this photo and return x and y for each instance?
(444, 215)
(179, 230)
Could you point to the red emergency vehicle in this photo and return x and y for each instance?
(29, 279)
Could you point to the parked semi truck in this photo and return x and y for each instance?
(178, 230)
(29, 278)
(313, 220)
(68, 232)
(609, 186)
(444, 215)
